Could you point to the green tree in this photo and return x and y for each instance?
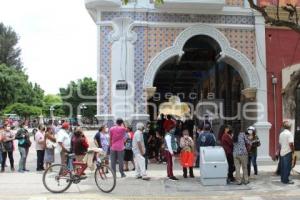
(77, 93)
(9, 52)
(55, 102)
(15, 88)
(23, 110)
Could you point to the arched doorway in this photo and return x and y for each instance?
(202, 50)
(200, 76)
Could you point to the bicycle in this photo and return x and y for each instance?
(58, 178)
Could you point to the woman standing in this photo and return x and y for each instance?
(50, 147)
(23, 144)
(79, 144)
(40, 147)
(128, 154)
(8, 147)
(240, 155)
(227, 144)
(255, 142)
(187, 153)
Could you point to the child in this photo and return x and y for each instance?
(187, 153)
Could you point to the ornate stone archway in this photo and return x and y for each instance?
(230, 55)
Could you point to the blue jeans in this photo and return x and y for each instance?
(252, 159)
(22, 161)
(286, 167)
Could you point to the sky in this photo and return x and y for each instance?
(57, 38)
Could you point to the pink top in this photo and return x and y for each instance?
(117, 138)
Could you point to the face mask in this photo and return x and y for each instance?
(250, 131)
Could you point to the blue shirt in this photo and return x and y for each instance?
(206, 139)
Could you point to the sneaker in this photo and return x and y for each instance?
(184, 176)
(12, 169)
(146, 178)
(138, 177)
(192, 176)
(123, 175)
(173, 178)
(133, 169)
(26, 170)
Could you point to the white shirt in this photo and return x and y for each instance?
(64, 138)
(168, 139)
(39, 138)
(285, 138)
(137, 137)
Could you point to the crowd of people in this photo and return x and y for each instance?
(161, 143)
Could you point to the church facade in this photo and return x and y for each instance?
(202, 51)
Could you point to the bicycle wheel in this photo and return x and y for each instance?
(105, 179)
(57, 178)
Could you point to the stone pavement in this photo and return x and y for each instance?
(28, 186)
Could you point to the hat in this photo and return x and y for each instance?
(65, 125)
(251, 128)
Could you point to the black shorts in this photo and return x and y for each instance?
(128, 155)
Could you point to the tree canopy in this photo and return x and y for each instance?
(14, 84)
(9, 52)
(15, 87)
(23, 110)
(83, 91)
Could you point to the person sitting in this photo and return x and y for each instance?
(79, 144)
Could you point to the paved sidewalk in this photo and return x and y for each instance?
(265, 186)
(28, 186)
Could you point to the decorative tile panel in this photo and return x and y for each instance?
(105, 70)
(180, 18)
(139, 70)
(242, 40)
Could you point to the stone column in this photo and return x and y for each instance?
(262, 125)
(122, 68)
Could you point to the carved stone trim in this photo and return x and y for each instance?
(232, 56)
(122, 30)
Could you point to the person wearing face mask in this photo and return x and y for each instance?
(7, 143)
(187, 153)
(252, 155)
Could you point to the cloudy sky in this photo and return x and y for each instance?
(57, 38)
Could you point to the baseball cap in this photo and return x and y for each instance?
(251, 128)
(65, 125)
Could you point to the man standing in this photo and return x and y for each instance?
(170, 145)
(207, 138)
(117, 139)
(64, 142)
(138, 148)
(286, 141)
